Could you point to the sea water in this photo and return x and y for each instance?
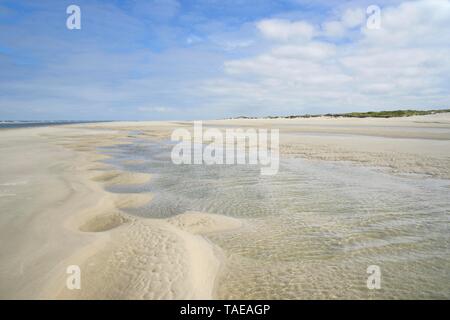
(312, 230)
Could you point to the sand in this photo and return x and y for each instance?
(110, 178)
(56, 212)
(410, 145)
(76, 222)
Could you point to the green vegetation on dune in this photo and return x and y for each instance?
(369, 114)
(391, 114)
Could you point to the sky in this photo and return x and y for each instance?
(214, 59)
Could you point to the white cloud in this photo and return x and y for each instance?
(352, 18)
(404, 64)
(422, 23)
(334, 29)
(285, 30)
(312, 51)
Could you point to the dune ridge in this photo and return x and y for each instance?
(139, 258)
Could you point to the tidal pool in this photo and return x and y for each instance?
(312, 230)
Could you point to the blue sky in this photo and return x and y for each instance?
(207, 59)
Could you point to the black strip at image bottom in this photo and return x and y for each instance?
(228, 309)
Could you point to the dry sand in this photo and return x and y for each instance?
(55, 211)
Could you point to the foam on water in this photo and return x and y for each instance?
(313, 229)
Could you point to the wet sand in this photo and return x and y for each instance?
(56, 209)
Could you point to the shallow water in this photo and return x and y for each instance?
(312, 230)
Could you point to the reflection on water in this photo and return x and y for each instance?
(313, 229)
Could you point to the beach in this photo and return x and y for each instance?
(105, 197)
